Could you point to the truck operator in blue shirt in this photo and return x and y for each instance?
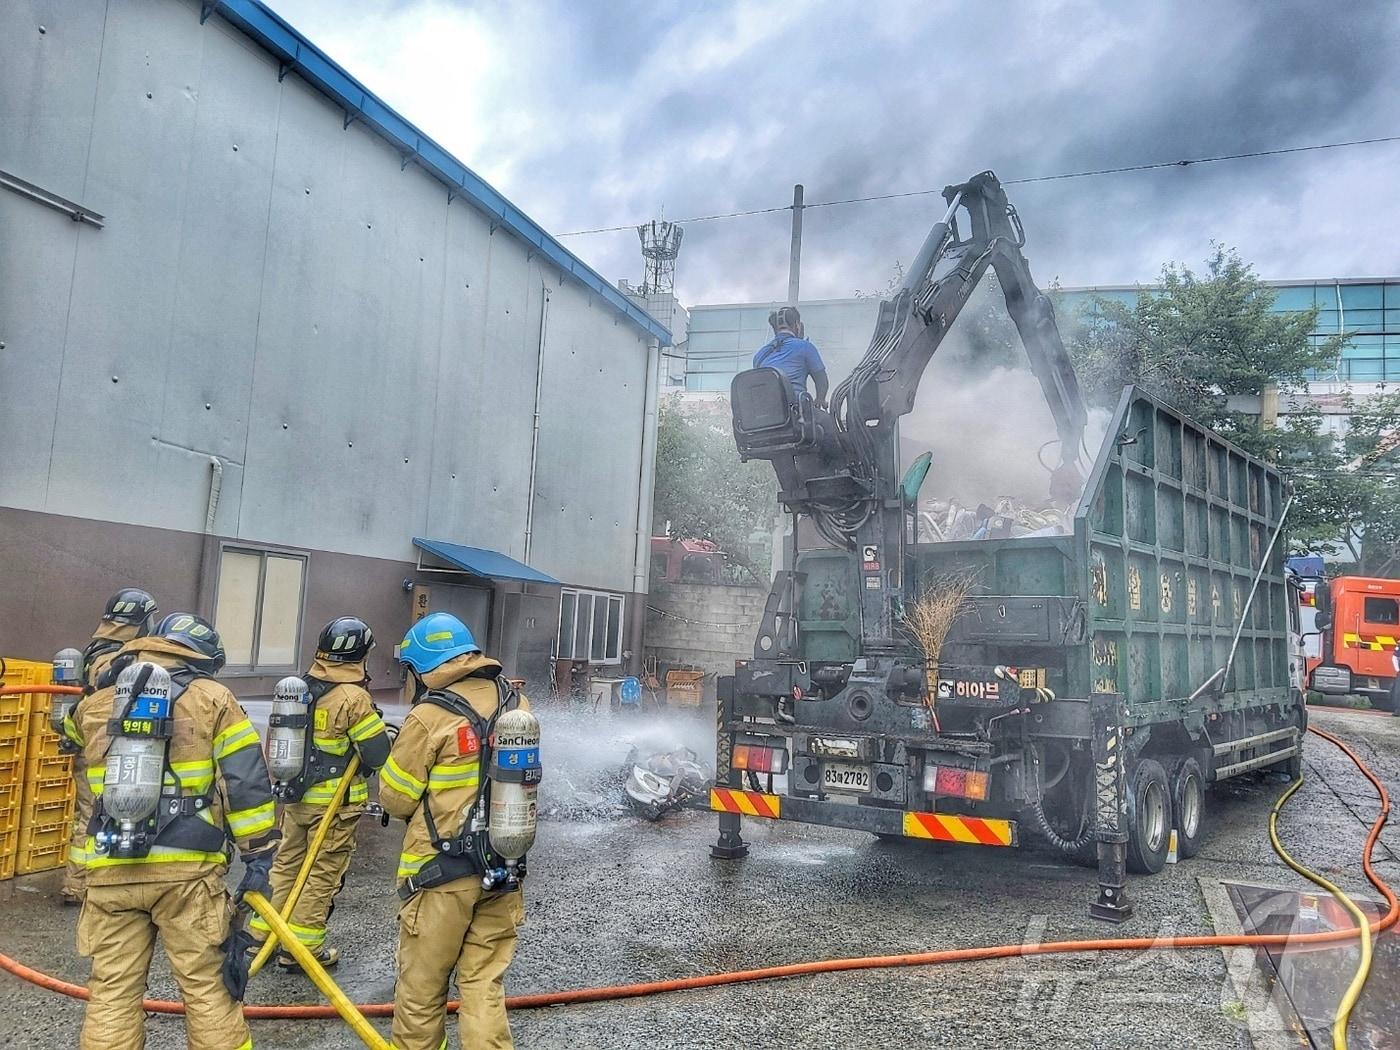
(793, 355)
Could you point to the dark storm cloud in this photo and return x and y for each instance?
(634, 109)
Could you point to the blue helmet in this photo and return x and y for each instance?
(434, 640)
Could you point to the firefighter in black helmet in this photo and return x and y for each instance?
(128, 614)
(338, 715)
(162, 873)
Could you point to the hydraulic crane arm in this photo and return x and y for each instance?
(912, 326)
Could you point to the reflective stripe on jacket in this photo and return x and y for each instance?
(342, 718)
(436, 760)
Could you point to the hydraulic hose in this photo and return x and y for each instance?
(951, 955)
(312, 849)
(317, 973)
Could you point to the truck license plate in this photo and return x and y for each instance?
(844, 776)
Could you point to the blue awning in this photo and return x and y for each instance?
(493, 565)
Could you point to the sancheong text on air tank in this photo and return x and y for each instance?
(1092, 684)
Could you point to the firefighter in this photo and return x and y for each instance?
(448, 920)
(176, 735)
(129, 613)
(339, 715)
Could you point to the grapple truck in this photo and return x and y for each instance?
(1092, 685)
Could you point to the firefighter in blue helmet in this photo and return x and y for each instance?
(433, 777)
(792, 355)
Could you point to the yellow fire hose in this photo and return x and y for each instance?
(1363, 970)
(280, 931)
(343, 1006)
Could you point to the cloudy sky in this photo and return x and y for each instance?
(597, 114)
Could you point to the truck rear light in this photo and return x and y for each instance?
(758, 759)
(961, 783)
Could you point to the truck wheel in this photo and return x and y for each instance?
(1149, 817)
(1188, 805)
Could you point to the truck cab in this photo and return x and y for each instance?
(1358, 618)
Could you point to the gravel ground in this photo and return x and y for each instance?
(613, 901)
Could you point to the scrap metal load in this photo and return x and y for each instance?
(1119, 647)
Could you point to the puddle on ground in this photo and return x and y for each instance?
(1313, 978)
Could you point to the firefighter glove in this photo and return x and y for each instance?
(256, 874)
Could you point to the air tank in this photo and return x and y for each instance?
(286, 729)
(136, 757)
(514, 773)
(67, 670)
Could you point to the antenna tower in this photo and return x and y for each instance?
(661, 243)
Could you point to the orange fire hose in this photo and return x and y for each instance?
(874, 962)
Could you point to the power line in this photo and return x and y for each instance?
(1183, 163)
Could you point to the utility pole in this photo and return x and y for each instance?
(795, 260)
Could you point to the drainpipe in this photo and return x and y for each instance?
(535, 434)
(645, 493)
(204, 589)
(216, 485)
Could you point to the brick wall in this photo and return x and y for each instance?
(702, 625)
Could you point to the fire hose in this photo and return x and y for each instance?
(356, 1014)
(312, 850)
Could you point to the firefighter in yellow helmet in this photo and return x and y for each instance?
(340, 715)
(182, 774)
(129, 613)
(449, 919)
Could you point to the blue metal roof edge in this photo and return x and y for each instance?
(446, 550)
(299, 54)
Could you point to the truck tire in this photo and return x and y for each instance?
(1149, 817)
(1188, 805)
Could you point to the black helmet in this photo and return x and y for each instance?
(345, 640)
(131, 606)
(785, 317)
(194, 632)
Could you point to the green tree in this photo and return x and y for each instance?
(704, 492)
(1198, 341)
(1207, 341)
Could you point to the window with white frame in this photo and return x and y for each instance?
(258, 612)
(590, 626)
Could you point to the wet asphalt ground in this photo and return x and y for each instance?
(612, 901)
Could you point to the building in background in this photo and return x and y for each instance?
(721, 340)
(273, 354)
(1365, 309)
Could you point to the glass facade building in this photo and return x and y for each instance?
(722, 339)
(1365, 310)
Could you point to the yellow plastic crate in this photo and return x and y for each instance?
(45, 743)
(43, 812)
(42, 847)
(47, 767)
(13, 750)
(9, 848)
(48, 790)
(11, 773)
(9, 808)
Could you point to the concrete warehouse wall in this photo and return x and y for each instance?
(702, 625)
(279, 291)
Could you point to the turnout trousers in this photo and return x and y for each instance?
(313, 907)
(117, 930)
(455, 926)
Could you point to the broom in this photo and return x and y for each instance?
(930, 617)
